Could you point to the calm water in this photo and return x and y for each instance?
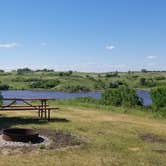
(47, 94)
(145, 95)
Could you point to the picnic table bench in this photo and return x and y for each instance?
(44, 110)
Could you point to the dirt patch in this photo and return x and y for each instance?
(59, 139)
(152, 138)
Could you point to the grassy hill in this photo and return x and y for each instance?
(77, 81)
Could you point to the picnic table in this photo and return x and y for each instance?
(43, 108)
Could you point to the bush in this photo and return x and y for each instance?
(113, 84)
(45, 84)
(120, 96)
(45, 70)
(24, 71)
(147, 82)
(142, 81)
(4, 87)
(68, 73)
(114, 74)
(159, 97)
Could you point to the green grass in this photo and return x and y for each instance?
(137, 110)
(112, 138)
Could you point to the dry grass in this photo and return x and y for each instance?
(112, 139)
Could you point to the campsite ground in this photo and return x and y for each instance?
(111, 138)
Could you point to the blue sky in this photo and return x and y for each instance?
(83, 35)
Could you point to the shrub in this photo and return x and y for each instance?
(147, 82)
(120, 96)
(45, 84)
(24, 71)
(45, 70)
(114, 74)
(68, 73)
(113, 84)
(111, 97)
(31, 79)
(142, 81)
(4, 87)
(159, 97)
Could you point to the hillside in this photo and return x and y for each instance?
(76, 81)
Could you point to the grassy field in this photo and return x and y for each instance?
(112, 138)
(89, 81)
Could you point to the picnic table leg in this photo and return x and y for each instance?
(41, 117)
(48, 114)
(39, 112)
(45, 111)
(42, 108)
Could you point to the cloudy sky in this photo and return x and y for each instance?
(83, 35)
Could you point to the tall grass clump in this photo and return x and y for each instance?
(159, 100)
(122, 96)
(159, 97)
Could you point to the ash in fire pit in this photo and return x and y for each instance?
(21, 135)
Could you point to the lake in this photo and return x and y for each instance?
(145, 95)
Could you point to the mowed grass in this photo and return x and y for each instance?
(113, 139)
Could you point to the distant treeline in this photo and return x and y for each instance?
(114, 73)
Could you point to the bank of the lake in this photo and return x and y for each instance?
(143, 94)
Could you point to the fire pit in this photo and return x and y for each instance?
(20, 135)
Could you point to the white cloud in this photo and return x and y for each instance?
(110, 47)
(43, 44)
(151, 57)
(8, 45)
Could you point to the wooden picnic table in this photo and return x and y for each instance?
(43, 108)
